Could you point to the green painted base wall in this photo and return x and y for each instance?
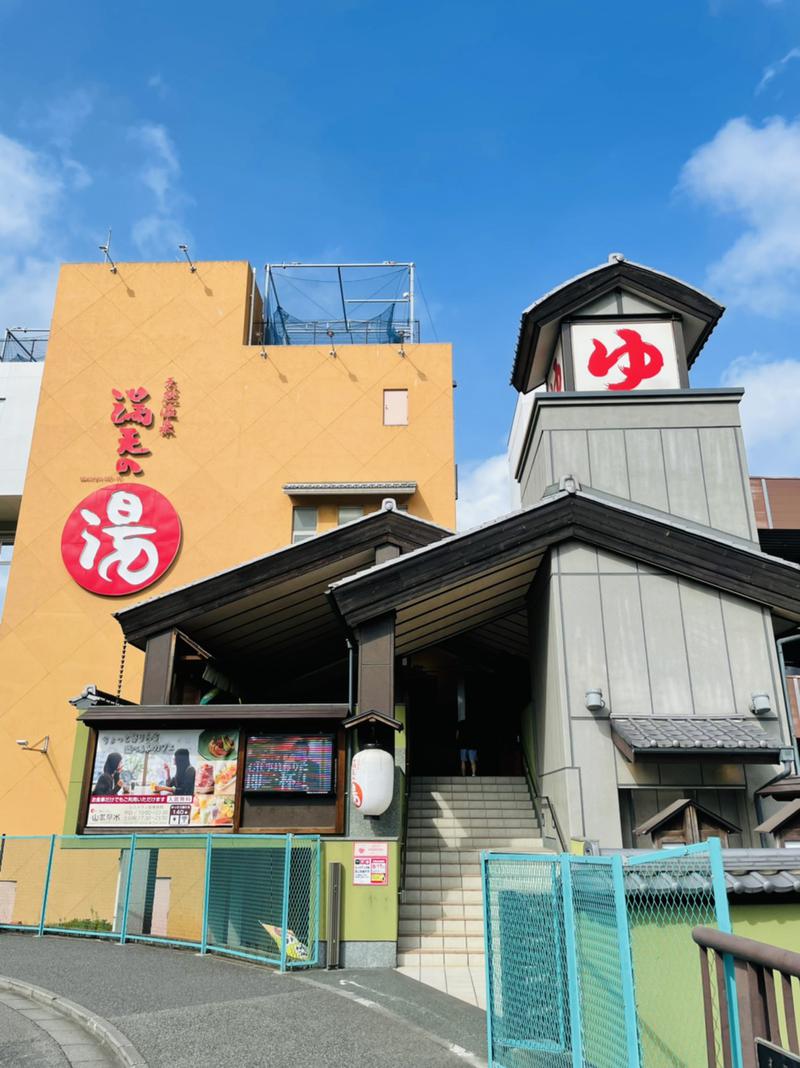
(777, 924)
(369, 913)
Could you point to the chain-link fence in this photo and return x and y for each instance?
(590, 960)
(668, 893)
(254, 896)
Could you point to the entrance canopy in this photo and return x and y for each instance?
(273, 610)
(481, 578)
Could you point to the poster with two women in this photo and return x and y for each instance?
(169, 779)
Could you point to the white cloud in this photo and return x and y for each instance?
(484, 491)
(753, 174)
(27, 286)
(30, 192)
(32, 189)
(769, 412)
(774, 69)
(158, 232)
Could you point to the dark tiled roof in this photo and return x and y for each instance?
(699, 733)
(747, 871)
(777, 819)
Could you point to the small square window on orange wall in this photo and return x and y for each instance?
(395, 407)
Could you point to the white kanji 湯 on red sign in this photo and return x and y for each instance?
(120, 539)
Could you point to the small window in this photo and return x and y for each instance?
(6, 552)
(395, 407)
(349, 512)
(304, 524)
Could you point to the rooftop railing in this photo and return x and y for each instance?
(21, 345)
(765, 1000)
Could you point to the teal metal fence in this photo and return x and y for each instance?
(590, 960)
(252, 896)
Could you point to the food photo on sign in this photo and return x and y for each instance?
(178, 778)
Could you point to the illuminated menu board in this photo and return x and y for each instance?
(289, 763)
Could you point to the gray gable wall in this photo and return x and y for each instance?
(654, 644)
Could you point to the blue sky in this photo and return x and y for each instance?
(504, 147)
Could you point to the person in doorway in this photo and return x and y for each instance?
(182, 782)
(109, 781)
(468, 746)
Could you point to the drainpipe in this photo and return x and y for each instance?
(780, 644)
(348, 742)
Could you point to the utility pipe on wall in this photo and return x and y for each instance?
(782, 662)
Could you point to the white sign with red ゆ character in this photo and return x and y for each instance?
(624, 356)
(120, 539)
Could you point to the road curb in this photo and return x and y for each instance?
(118, 1045)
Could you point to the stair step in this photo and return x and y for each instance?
(469, 780)
(485, 842)
(447, 871)
(441, 925)
(441, 943)
(489, 809)
(441, 910)
(445, 823)
(440, 959)
(442, 895)
(443, 856)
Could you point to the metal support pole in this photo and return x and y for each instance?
(724, 924)
(206, 895)
(625, 964)
(287, 871)
(126, 901)
(47, 883)
(411, 301)
(252, 308)
(488, 956)
(576, 1030)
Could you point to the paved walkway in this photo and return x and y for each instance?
(181, 1009)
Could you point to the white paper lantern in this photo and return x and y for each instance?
(372, 778)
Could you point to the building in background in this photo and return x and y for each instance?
(235, 558)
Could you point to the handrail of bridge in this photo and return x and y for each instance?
(759, 969)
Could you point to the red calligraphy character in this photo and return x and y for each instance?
(139, 412)
(129, 467)
(129, 443)
(167, 429)
(644, 360)
(169, 411)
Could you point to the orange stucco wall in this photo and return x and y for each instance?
(246, 426)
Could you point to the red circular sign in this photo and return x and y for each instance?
(120, 539)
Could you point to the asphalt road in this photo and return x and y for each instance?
(187, 1011)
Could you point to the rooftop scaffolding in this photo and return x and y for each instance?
(337, 306)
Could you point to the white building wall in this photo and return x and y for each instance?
(19, 396)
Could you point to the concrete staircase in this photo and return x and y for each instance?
(450, 820)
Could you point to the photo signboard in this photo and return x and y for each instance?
(167, 779)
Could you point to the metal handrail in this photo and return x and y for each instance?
(539, 800)
(28, 349)
(757, 967)
(761, 954)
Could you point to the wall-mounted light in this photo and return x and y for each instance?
(38, 747)
(104, 249)
(185, 250)
(760, 704)
(595, 701)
